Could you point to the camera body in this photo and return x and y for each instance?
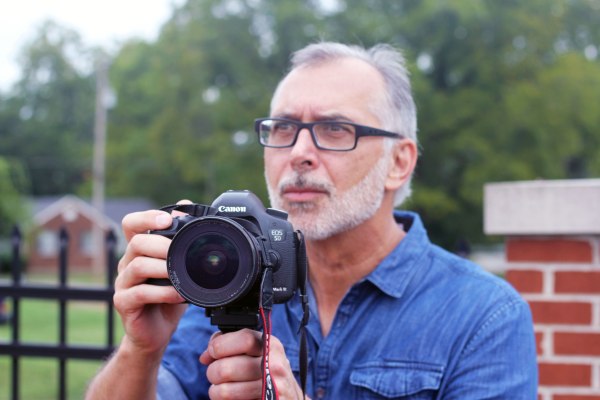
(219, 254)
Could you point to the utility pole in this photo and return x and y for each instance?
(98, 174)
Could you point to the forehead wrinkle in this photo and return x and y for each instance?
(285, 103)
(317, 117)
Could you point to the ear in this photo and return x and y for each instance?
(404, 160)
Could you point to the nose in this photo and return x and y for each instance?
(304, 154)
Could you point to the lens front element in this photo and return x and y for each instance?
(213, 261)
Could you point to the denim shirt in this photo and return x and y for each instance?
(425, 324)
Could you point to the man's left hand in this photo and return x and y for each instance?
(234, 367)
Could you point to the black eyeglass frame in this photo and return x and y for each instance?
(360, 131)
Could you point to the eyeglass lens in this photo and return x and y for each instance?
(329, 135)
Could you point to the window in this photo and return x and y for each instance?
(47, 243)
(86, 243)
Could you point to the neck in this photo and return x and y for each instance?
(340, 261)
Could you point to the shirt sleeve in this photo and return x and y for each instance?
(180, 366)
(168, 387)
(499, 362)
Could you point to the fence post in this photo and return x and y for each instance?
(63, 259)
(16, 281)
(63, 292)
(111, 243)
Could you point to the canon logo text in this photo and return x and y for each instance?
(231, 209)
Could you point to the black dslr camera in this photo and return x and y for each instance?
(220, 255)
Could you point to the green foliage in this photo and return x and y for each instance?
(12, 183)
(46, 124)
(506, 90)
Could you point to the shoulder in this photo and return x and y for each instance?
(466, 275)
(433, 260)
(488, 301)
(442, 273)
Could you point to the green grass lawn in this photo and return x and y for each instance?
(86, 324)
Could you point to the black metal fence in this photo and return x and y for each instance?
(62, 292)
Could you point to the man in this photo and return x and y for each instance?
(392, 316)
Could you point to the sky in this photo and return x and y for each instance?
(105, 23)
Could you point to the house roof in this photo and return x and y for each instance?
(46, 207)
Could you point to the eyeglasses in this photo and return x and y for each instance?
(326, 135)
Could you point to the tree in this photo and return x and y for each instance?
(47, 122)
(506, 90)
(489, 108)
(12, 209)
(187, 103)
(481, 73)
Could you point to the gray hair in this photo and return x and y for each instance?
(397, 111)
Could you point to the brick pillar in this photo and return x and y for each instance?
(552, 254)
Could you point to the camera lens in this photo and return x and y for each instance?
(213, 261)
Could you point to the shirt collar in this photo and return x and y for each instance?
(392, 275)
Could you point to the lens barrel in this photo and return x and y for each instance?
(213, 261)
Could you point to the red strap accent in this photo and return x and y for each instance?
(269, 390)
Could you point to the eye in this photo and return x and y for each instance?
(336, 129)
(283, 127)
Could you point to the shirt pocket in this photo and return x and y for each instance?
(396, 380)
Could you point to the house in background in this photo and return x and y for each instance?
(79, 218)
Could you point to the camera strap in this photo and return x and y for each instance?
(302, 262)
(195, 210)
(269, 390)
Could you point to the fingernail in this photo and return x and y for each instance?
(163, 219)
(202, 357)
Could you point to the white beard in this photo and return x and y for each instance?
(340, 211)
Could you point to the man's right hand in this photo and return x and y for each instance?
(149, 313)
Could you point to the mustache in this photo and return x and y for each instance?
(301, 181)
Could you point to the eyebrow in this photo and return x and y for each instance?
(337, 117)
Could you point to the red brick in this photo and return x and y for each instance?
(565, 374)
(577, 282)
(561, 312)
(575, 343)
(526, 281)
(548, 250)
(574, 397)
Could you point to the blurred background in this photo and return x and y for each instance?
(158, 104)
(505, 91)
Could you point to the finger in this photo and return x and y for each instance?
(143, 221)
(154, 246)
(205, 357)
(281, 371)
(136, 297)
(139, 270)
(179, 213)
(236, 390)
(235, 369)
(244, 341)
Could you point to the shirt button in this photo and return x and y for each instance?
(320, 393)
